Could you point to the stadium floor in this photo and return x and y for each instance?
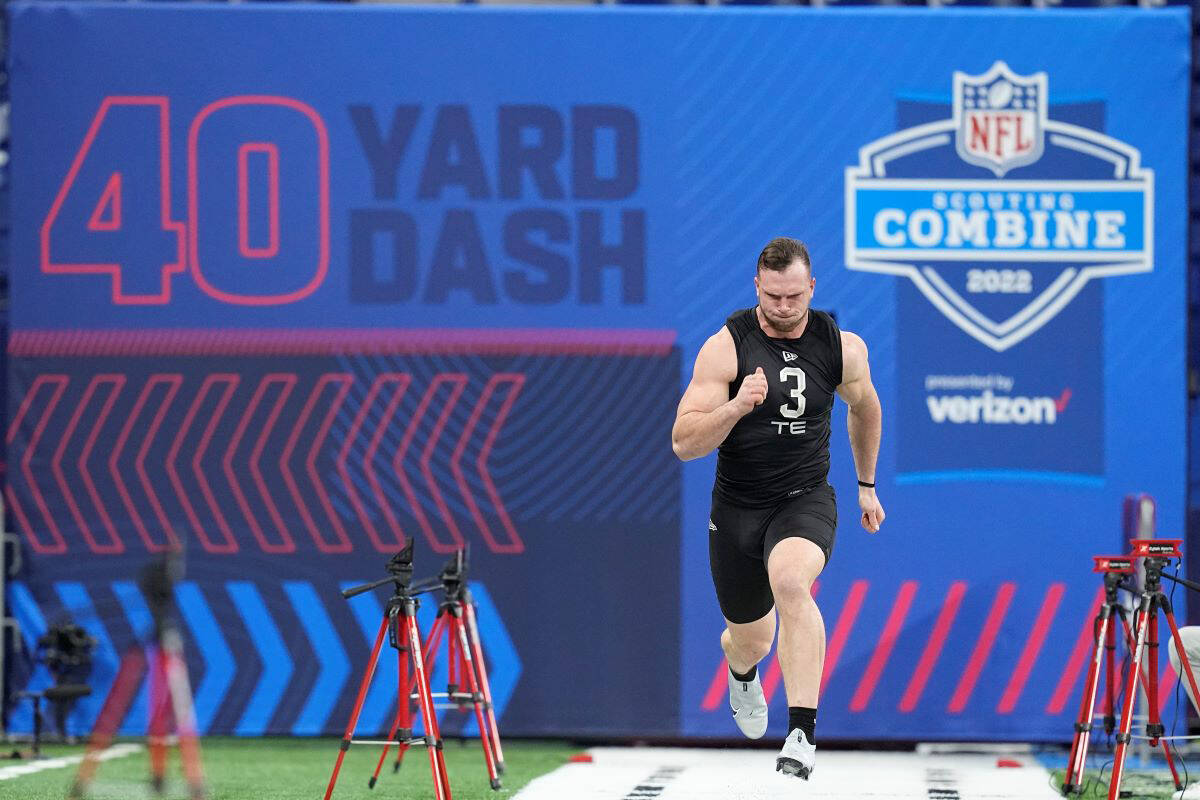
(298, 769)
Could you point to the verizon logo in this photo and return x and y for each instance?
(988, 408)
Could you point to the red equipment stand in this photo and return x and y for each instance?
(400, 624)
(1157, 554)
(455, 624)
(170, 696)
(1104, 646)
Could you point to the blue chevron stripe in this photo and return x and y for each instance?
(380, 707)
(273, 654)
(25, 610)
(335, 667)
(142, 624)
(78, 603)
(219, 666)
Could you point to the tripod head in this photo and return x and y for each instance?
(157, 582)
(400, 572)
(454, 575)
(1156, 555)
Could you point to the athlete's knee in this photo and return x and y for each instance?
(750, 644)
(793, 592)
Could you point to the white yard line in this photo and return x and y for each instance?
(711, 774)
(40, 764)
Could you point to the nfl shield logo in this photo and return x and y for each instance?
(1000, 117)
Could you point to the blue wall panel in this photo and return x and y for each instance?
(292, 285)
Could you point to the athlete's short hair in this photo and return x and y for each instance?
(780, 252)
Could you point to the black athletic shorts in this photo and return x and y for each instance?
(740, 540)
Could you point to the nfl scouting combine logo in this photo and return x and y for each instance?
(999, 215)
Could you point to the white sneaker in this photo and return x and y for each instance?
(798, 756)
(749, 706)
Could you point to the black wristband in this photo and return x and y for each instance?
(866, 485)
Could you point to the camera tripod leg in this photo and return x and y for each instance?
(179, 690)
(1142, 621)
(157, 727)
(133, 666)
(368, 673)
(1073, 780)
(493, 731)
(433, 739)
(459, 631)
(401, 702)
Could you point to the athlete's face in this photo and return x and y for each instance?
(784, 295)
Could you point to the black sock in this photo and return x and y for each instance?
(805, 719)
(744, 678)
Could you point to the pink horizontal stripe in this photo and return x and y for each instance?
(337, 341)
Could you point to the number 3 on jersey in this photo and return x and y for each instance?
(798, 393)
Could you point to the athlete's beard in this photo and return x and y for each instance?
(783, 326)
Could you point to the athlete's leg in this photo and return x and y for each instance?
(792, 566)
(746, 644)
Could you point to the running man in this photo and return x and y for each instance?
(762, 392)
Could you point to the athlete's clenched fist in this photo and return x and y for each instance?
(752, 392)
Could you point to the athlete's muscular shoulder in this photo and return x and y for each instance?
(715, 369)
(856, 371)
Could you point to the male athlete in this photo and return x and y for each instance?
(762, 391)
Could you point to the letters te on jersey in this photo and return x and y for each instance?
(999, 214)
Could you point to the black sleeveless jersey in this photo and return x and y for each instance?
(782, 446)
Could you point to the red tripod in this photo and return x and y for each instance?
(455, 624)
(400, 625)
(1157, 554)
(1104, 647)
(170, 696)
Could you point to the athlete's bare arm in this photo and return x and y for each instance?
(706, 414)
(865, 422)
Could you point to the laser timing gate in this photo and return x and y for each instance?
(467, 684)
(1142, 641)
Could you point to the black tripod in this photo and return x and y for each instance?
(400, 625)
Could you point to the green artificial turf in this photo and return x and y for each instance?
(299, 769)
(1143, 784)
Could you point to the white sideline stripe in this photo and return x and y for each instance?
(713, 774)
(116, 751)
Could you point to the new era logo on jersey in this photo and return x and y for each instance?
(788, 356)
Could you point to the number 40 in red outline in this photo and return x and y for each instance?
(174, 245)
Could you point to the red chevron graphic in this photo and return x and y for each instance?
(231, 384)
(402, 383)
(459, 382)
(883, 648)
(58, 545)
(933, 647)
(983, 647)
(514, 543)
(1083, 645)
(173, 381)
(841, 632)
(402, 451)
(230, 545)
(61, 480)
(286, 544)
(289, 382)
(359, 509)
(118, 383)
(343, 544)
(1033, 646)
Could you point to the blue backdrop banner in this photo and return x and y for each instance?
(293, 286)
